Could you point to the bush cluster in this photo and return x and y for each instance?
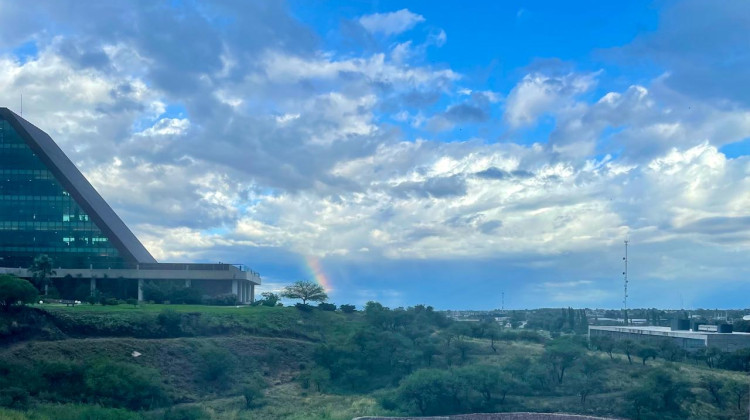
(160, 292)
(102, 382)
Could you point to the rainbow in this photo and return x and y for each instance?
(316, 270)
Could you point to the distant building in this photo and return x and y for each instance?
(690, 340)
(48, 207)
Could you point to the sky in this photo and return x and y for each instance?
(412, 152)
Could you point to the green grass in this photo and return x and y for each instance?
(69, 412)
(141, 322)
(289, 402)
(151, 308)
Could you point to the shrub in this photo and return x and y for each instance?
(125, 385)
(253, 394)
(155, 292)
(64, 378)
(268, 299)
(14, 397)
(14, 290)
(132, 301)
(347, 309)
(82, 412)
(81, 292)
(170, 321)
(110, 301)
(188, 295)
(185, 413)
(229, 299)
(326, 306)
(217, 363)
(356, 379)
(303, 307)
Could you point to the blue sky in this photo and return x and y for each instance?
(414, 152)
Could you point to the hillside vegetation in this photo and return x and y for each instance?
(195, 362)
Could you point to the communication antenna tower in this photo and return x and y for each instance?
(502, 307)
(625, 277)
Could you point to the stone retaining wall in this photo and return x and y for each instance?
(494, 416)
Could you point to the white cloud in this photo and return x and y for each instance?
(391, 23)
(401, 52)
(538, 94)
(284, 68)
(286, 149)
(438, 38)
(167, 127)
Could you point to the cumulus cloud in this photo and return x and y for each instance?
(391, 23)
(213, 140)
(538, 94)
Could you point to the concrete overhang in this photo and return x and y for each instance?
(227, 272)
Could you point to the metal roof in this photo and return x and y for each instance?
(661, 330)
(80, 189)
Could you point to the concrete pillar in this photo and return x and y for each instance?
(252, 293)
(187, 283)
(93, 286)
(140, 290)
(242, 292)
(235, 287)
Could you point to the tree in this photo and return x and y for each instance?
(493, 333)
(433, 391)
(713, 386)
(642, 401)
(253, 392)
(347, 309)
(669, 390)
(464, 347)
(14, 290)
(489, 380)
(41, 270)
(605, 344)
(561, 354)
(587, 378)
(269, 299)
(709, 355)
(646, 353)
(628, 347)
(670, 350)
(305, 290)
(739, 391)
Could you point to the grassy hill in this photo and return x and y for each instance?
(194, 362)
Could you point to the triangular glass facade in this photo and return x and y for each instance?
(38, 216)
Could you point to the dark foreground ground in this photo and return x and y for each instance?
(496, 416)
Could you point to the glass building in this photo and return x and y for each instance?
(42, 211)
(47, 207)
